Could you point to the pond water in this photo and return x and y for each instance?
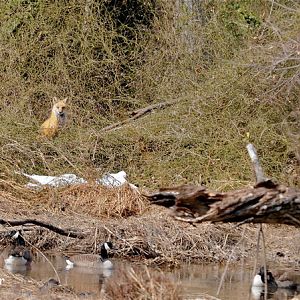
(195, 279)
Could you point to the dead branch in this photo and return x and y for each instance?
(256, 165)
(51, 227)
(266, 202)
(138, 113)
(263, 203)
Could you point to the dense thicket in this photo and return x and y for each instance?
(232, 65)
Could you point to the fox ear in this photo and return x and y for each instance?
(54, 100)
(65, 100)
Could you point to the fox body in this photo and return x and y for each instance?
(56, 120)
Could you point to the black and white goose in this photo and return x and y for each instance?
(92, 260)
(18, 254)
(284, 279)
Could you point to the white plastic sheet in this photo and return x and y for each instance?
(109, 179)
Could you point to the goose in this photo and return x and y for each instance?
(92, 260)
(18, 255)
(280, 279)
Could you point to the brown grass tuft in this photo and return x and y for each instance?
(15, 286)
(138, 283)
(93, 200)
(87, 199)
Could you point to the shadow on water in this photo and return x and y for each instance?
(195, 279)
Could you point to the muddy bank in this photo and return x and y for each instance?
(138, 230)
(141, 233)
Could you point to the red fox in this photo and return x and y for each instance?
(56, 120)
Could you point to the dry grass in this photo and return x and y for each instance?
(93, 200)
(15, 286)
(152, 238)
(87, 199)
(129, 284)
(225, 86)
(141, 284)
(138, 230)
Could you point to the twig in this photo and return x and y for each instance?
(264, 259)
(284, 6)
(117, 236)
(292, 218)
(261, 234)
(271, 9)
(228, 261)
(51, 227)
(65, 158)
(138, 113)
(47, 259)
(249, 220)
(256, 165)
(256, 257)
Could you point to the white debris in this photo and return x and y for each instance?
(109, 179)
(53, 181)
(113, 179)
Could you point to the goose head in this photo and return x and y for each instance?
(17, 238)
(260, 279)
(104, 249)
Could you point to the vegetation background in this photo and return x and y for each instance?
(232, 67)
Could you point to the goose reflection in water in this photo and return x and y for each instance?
(86, 280)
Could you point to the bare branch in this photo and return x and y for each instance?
(139, 113)
(256, 165)
(51, 227)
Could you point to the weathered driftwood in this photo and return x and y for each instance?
(266, 202)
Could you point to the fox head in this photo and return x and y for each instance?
(59, 107)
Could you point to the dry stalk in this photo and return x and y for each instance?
(264, 260)
(229, 259)
(41, 252)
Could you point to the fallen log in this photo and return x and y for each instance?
(49, 226)
(265, 202)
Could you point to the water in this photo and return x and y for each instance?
(195, 279)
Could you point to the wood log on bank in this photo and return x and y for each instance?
(265, 202)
